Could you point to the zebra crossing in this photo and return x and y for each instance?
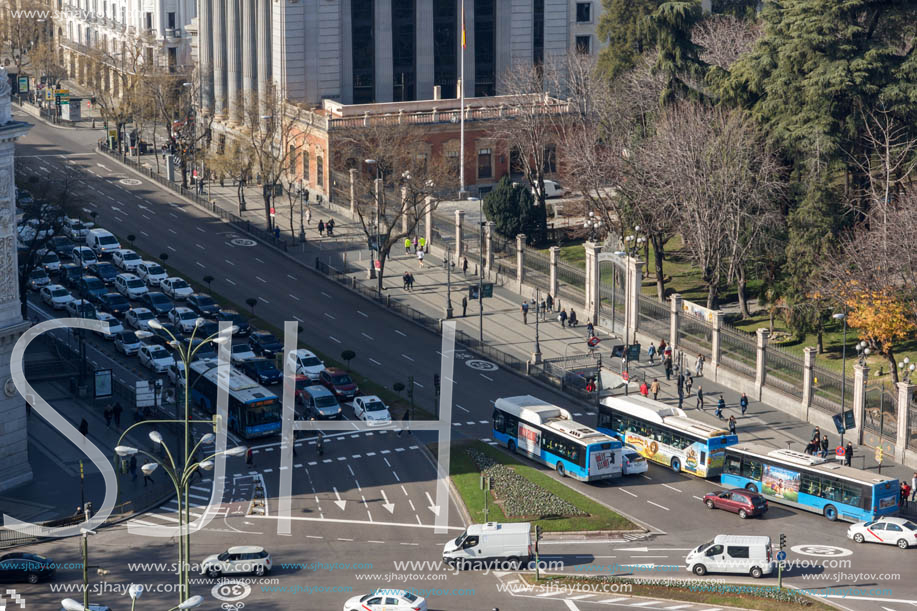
(238, 494)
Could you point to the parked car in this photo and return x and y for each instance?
(743, 502)
(55, 296)
(339, 382)
(102, 241)
(130, 286)
(139, 318)
(372, 410)
(265, 344)
(551, 189)
(106, 272)
(115, 304)
(888, 530)
(69, 274)
(38, 278)
(23, 567)
(386, 600)
(84, 256)
(114, 326)
(155, 357)
(239, 559)
(175, 287)
(158, 302)
(262, 371)
(91, 288)
(207, 351)
(241, 352)
(243, 327)
(127, 343)
(125, 259)
(183, 318)
(203, 304)
(317, 401)
(150, 272)
(306, 363)
(81, 308)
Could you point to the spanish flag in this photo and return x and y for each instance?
(463, 25)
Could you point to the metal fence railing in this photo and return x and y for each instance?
(881, 413)
(738, 351)
(827, 390)
(654, 317)
(783, 372)
(695, 337)
(912, 421)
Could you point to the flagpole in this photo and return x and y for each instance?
(462, 111)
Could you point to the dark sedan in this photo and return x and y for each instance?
(265, 344)
(161, 336)
(91, 288)
(62, 245)
(115, 304)
(203, 304)
(69, 275)
(19, 567)
(339, 382)
(105, 272)
(262, 371)
(236, 319)
(158, 303)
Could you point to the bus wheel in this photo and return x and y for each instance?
(511, 446)
(756, 572)
(676, 465)
(700, 570)
(560, 470)
(830, 512)
(751, 487)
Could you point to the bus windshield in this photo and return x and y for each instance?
(263, 414)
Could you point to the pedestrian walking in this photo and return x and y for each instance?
(321, 227)
(330, 227)
(407, 246)
(423, 244)
(651, 352)
(732, 425)
(562, 317)
(544, 310)
(667, 364)
(320, 444)
(308, 216)
(824, 446)
(914, 487)
(549, 301)
(464, 305)
(132, 467)
(590, 330)
(414, 244)
(525, 312)
(107, 414)
(249, 458)
(420, 257)
(410, 281)
(654, 388)
(720, 406)
(644, 389)
(405, 280)
(689, 382)
(116, 412)
(681, 396)
(464, 265)
(848, 454)
(905, 492)
(680, 381)
(700, 398)
(743, 403)
(661, 349)
(573, 321)
(84, 427)
(699, 365)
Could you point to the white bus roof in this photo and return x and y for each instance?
(670, 416)
(241, 386)
(494, 527)
(814, 463)
(531, 409)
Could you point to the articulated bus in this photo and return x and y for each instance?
(254, 411)
(811, 483)
(666, 435)
(548, 434)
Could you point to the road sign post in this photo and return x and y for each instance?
(485, 486)
(781, 557)
(879, 456)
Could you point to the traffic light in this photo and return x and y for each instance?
(436, 383)
(782, 540)
(538, 534)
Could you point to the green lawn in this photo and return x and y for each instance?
(466, 477)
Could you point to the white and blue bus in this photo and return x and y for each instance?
(811, 483)
(548, 434)
(254, 411)
(665, 434)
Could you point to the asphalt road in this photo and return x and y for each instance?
(388, 349)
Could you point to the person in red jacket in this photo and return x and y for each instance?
(644, 389)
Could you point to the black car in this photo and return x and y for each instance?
(262, 371)
(203, 304)
(115, 304)
(62, 245)
(208, 351)
(19, 567)
(70, 274)
(105, 272)
(235, 318)
(206, 329)
(91, 288)
(158, 303)
(265, 344)
(161, 336)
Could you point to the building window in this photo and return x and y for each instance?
(452, 158)
(306, 167)
(148, 20)
(485, 161)
(173, 58)
(403, 50)
(538, 32)
(583, 45)
(515, 162)
(364, 51)
(170, 20)
(292, 155)
(445, 47)
(221, 144)
(484, 48)
(584, 12)
(319, 172)
(550, 159)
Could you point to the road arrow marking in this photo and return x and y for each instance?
(432, 506)
(389, 506)
(103, 167)
(341, 504)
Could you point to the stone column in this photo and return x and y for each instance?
(860, 376)
(489, 246)
(592, 301)
(808, 376)
(404, 210)
(233, 67)
(459, 234)
(428, 221)
(674, 318)
(384, 82)
(761, 360)
(265, 63)
(905, 390)
(632, 293)
(520, 260)
(249, 59)
(219, 57)
(424, 50)
(353, 193)
(554, 252)
(715, 340)
(205, 54)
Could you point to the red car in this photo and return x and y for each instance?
(339, 382)
(743, 502)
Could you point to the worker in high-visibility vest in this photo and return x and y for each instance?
(423, 244)
(407, 246)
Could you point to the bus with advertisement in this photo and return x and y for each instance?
(810, 482)
(547, 433)
(254, 411)
(665, 434)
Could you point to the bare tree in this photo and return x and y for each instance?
(48, 61)
(23, 24)
(233, 162)
(723, 38)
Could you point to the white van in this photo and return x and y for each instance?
(491, 542)
(552, 188)
(102, 241)
(743, 554)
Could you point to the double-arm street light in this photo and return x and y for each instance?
(481, 270)
(135, 591)
(592, 225)
(376, 250)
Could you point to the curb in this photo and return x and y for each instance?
(466, 517)
(21, 107)
(586, 535)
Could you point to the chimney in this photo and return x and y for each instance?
(437, 92)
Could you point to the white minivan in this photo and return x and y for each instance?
(747, 555)
(102, 241)
(490, 542)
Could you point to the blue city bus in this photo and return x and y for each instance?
(254, 411)
(665, 434)
(811, 483)
(548, 434)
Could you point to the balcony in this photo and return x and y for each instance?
(173, 34)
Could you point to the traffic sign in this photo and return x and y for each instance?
(781, 556)
(839, 451)
(378, 264)
(593, 341)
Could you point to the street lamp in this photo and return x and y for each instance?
(592, 225)
(862, 352)
(843, 316)
(907, 368)
(376, 248)
(481, 270)
(448, 263)
(135, 591)
(536, 356)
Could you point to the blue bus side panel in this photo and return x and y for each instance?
(571, 469)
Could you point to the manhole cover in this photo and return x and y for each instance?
(243, 242)
(131, 182)
(481, 365)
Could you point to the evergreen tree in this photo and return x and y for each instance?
(677, 57)
(513, 210)
(626, 32)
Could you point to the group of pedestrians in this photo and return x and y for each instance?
(324, 227)
(407, 280)
(416, 245)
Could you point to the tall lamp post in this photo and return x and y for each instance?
(843, 316)
(536, 356)
(448, 263)
(193, 134)
(482, 223)
(376, 197)
(592, 226)
(632, 242)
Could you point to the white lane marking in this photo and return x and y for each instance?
(201, 230)
(172, 249)
(258, 260)
(486, 378)
(293, 296)
(298, 318)
(199, 264)
(230, 262)
(199, 246)
(261, 279)
(329, 316)
(698, 498)
(263, 299)
(334, 339)
(145, 234)
(400, 333)
(326, 294)
(364, 315)
(672, 488)
(172, 231)
(658, 505)
(407, 357)
(375, 361)
(369, 337)
(230, 282)
(462, 408)
(290, 277)
(628, 492)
